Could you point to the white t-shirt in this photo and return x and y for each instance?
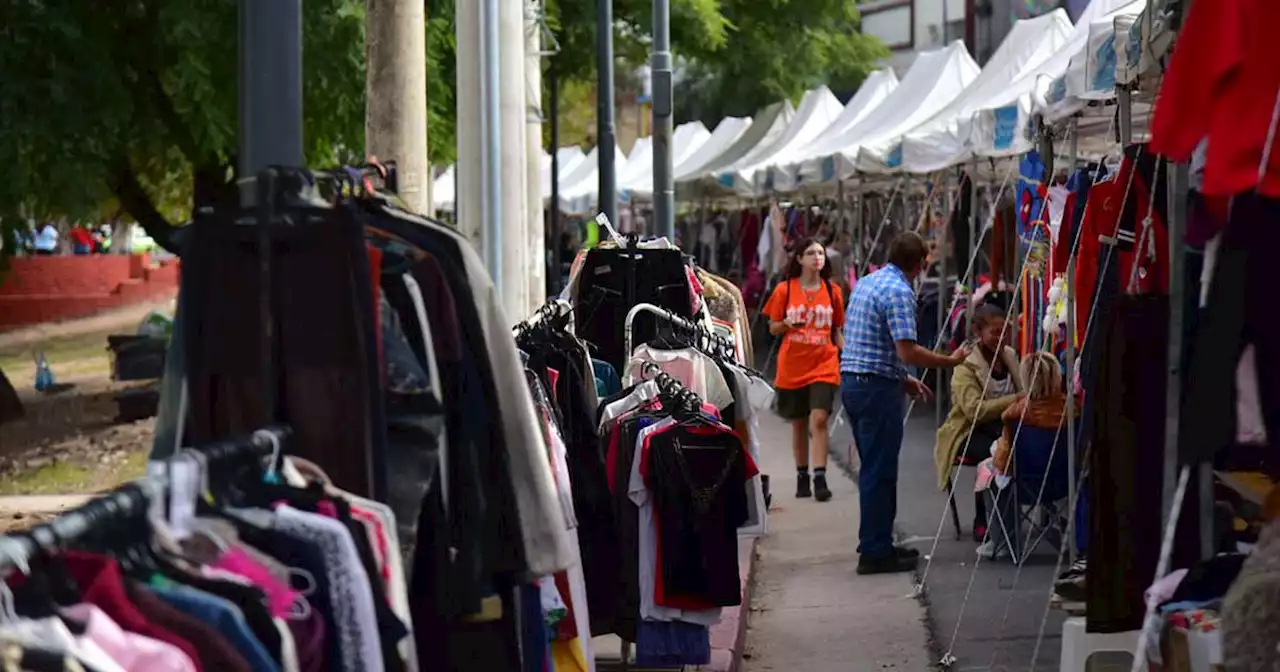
(640, 495)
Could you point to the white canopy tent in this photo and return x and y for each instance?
(943, 140)
(1001, 129)
(443, 190)
(569, 158)
(727, 133)
(1091, 73)
(784, 170)
(686, 141)
(766, 127)
(747, 176)
(934, 80)
(639, 161)
(578, 190)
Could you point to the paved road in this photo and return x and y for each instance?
(810, 609)
(987, 638)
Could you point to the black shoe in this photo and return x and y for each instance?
(906, 552)
(802, 486)
(887, 564)
(820, 490)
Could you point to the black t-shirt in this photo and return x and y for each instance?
(696, 475)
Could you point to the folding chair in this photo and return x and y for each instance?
(1038, 485)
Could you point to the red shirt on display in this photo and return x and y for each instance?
(1221, 84)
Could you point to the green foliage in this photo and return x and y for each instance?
(134, 102)
(777, 49)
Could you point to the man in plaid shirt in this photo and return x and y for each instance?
(879, 344)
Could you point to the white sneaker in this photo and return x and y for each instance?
(989, 550)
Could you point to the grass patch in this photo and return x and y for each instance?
(61, 478)
(80, 355)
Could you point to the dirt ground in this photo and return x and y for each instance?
(69, 442)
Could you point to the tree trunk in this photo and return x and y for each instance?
(137, 202)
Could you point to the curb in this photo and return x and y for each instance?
(729, 636)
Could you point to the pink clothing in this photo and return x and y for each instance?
(280, 597)
(131, 651)
(378, 539)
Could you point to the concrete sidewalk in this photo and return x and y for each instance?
(811, 611)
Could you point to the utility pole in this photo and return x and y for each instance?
(469, 172)
(270, 101)
(512, 113)
(606, 143)
(536, 246)
(664, 191)
(553, 209)
(395, 123)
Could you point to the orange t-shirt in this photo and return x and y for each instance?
(808, 354)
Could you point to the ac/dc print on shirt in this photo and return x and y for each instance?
(807, 354)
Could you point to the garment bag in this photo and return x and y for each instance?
(324, 348)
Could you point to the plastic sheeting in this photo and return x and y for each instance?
(767, 126)
(784, 173)
(748, 176)
(943, 140)
(934, 80)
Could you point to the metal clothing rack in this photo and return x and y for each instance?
(127, 500)
(666, 315)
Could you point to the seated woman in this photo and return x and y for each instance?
(982, 388)
(1031, 425)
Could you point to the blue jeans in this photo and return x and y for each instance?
(875, 407)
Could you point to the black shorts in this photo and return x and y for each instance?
(796, 404)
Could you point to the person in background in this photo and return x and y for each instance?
(879, 344)
(1033, 421)
(807, 311)
(839, 257)
(81, 240)
(982, 387)
(45, 241)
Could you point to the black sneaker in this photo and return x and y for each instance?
(820, 490)
(906, 552)
(888, 564)
(802, 486)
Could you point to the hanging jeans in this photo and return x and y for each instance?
(875, 408)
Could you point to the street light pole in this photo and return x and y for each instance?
(270, 101)
(606, 143)
(664, 195)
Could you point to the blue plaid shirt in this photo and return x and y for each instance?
(882, 310)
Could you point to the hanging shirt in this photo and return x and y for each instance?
(1221, 84)
(640, 494)
(693, 368)
(808, 354)
(132, 651)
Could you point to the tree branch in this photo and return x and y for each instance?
(135, 200)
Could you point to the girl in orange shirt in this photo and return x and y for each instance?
(807, 311)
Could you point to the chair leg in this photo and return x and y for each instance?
(955, 512)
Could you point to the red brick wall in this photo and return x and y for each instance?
(36, 290)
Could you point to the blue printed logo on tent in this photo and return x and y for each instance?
(1133, 50)
(1058, 90)
(894, 160)
(1104, 79)
(1006, 126)
(725, 180)
(828, 169)
(624, 195)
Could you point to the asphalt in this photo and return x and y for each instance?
(988, 618)
(810, 609)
